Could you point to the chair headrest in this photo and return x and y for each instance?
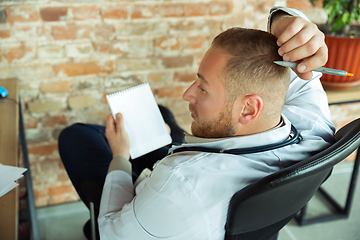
(351, 127)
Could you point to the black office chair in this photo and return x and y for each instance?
(261, 209)
(93, 192)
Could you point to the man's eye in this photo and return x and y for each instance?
(201, 89)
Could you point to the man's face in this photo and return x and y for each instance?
(211, 112)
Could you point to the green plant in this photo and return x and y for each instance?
(341, 14)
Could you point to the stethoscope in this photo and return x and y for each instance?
(294, 138)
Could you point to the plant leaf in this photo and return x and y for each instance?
(338, 7)
(331, 13)
(337, 25)
(356, 13)
(346, 17)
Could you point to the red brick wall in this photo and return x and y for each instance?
(68, 54)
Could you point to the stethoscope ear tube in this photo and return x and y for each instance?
(294, 138)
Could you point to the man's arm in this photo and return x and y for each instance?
(119, 143)
(299, 40)
(118, 189)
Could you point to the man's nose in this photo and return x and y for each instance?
(189, 94)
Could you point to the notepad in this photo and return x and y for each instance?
(142, 119)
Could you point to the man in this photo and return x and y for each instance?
(187, 195)
(236, 102)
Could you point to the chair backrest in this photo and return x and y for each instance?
(261, 209)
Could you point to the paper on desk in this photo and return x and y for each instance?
(8, 176)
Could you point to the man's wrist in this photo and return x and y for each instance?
(276, 17)
(120, 163)
(125, 154)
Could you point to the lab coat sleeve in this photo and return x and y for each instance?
(306, 106)
(290, 11)
(118, 190)
(166, 207)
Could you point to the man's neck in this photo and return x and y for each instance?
(260, 125)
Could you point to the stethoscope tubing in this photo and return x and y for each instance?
(295, 139)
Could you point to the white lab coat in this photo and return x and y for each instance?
(187, 195)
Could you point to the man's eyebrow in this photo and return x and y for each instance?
(202, 78)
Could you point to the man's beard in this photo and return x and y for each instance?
(220, 127)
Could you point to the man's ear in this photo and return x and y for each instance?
(251, 107)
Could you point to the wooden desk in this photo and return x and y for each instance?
(343, 96)
(9, 122)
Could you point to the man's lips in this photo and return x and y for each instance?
(192, 111)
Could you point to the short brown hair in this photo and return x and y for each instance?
(250, 68)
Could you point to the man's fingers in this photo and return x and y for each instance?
(119, 122)
(110, 124)
(295, 25)
(115, 126)
(118, 118)
(305, 76)
(311, 47)
(302, 42)
(299, 33)
(305, 67)
(304, 51)
(307, 42)
(299, 40)
(317, 60)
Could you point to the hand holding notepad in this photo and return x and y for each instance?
(142, 119)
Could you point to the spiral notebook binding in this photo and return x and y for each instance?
(127, 89)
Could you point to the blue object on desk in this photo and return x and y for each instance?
(3, 92)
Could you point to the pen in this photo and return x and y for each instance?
(320, 69)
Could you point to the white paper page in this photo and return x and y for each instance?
(142, 118)
(8, 176)
(8, 188)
